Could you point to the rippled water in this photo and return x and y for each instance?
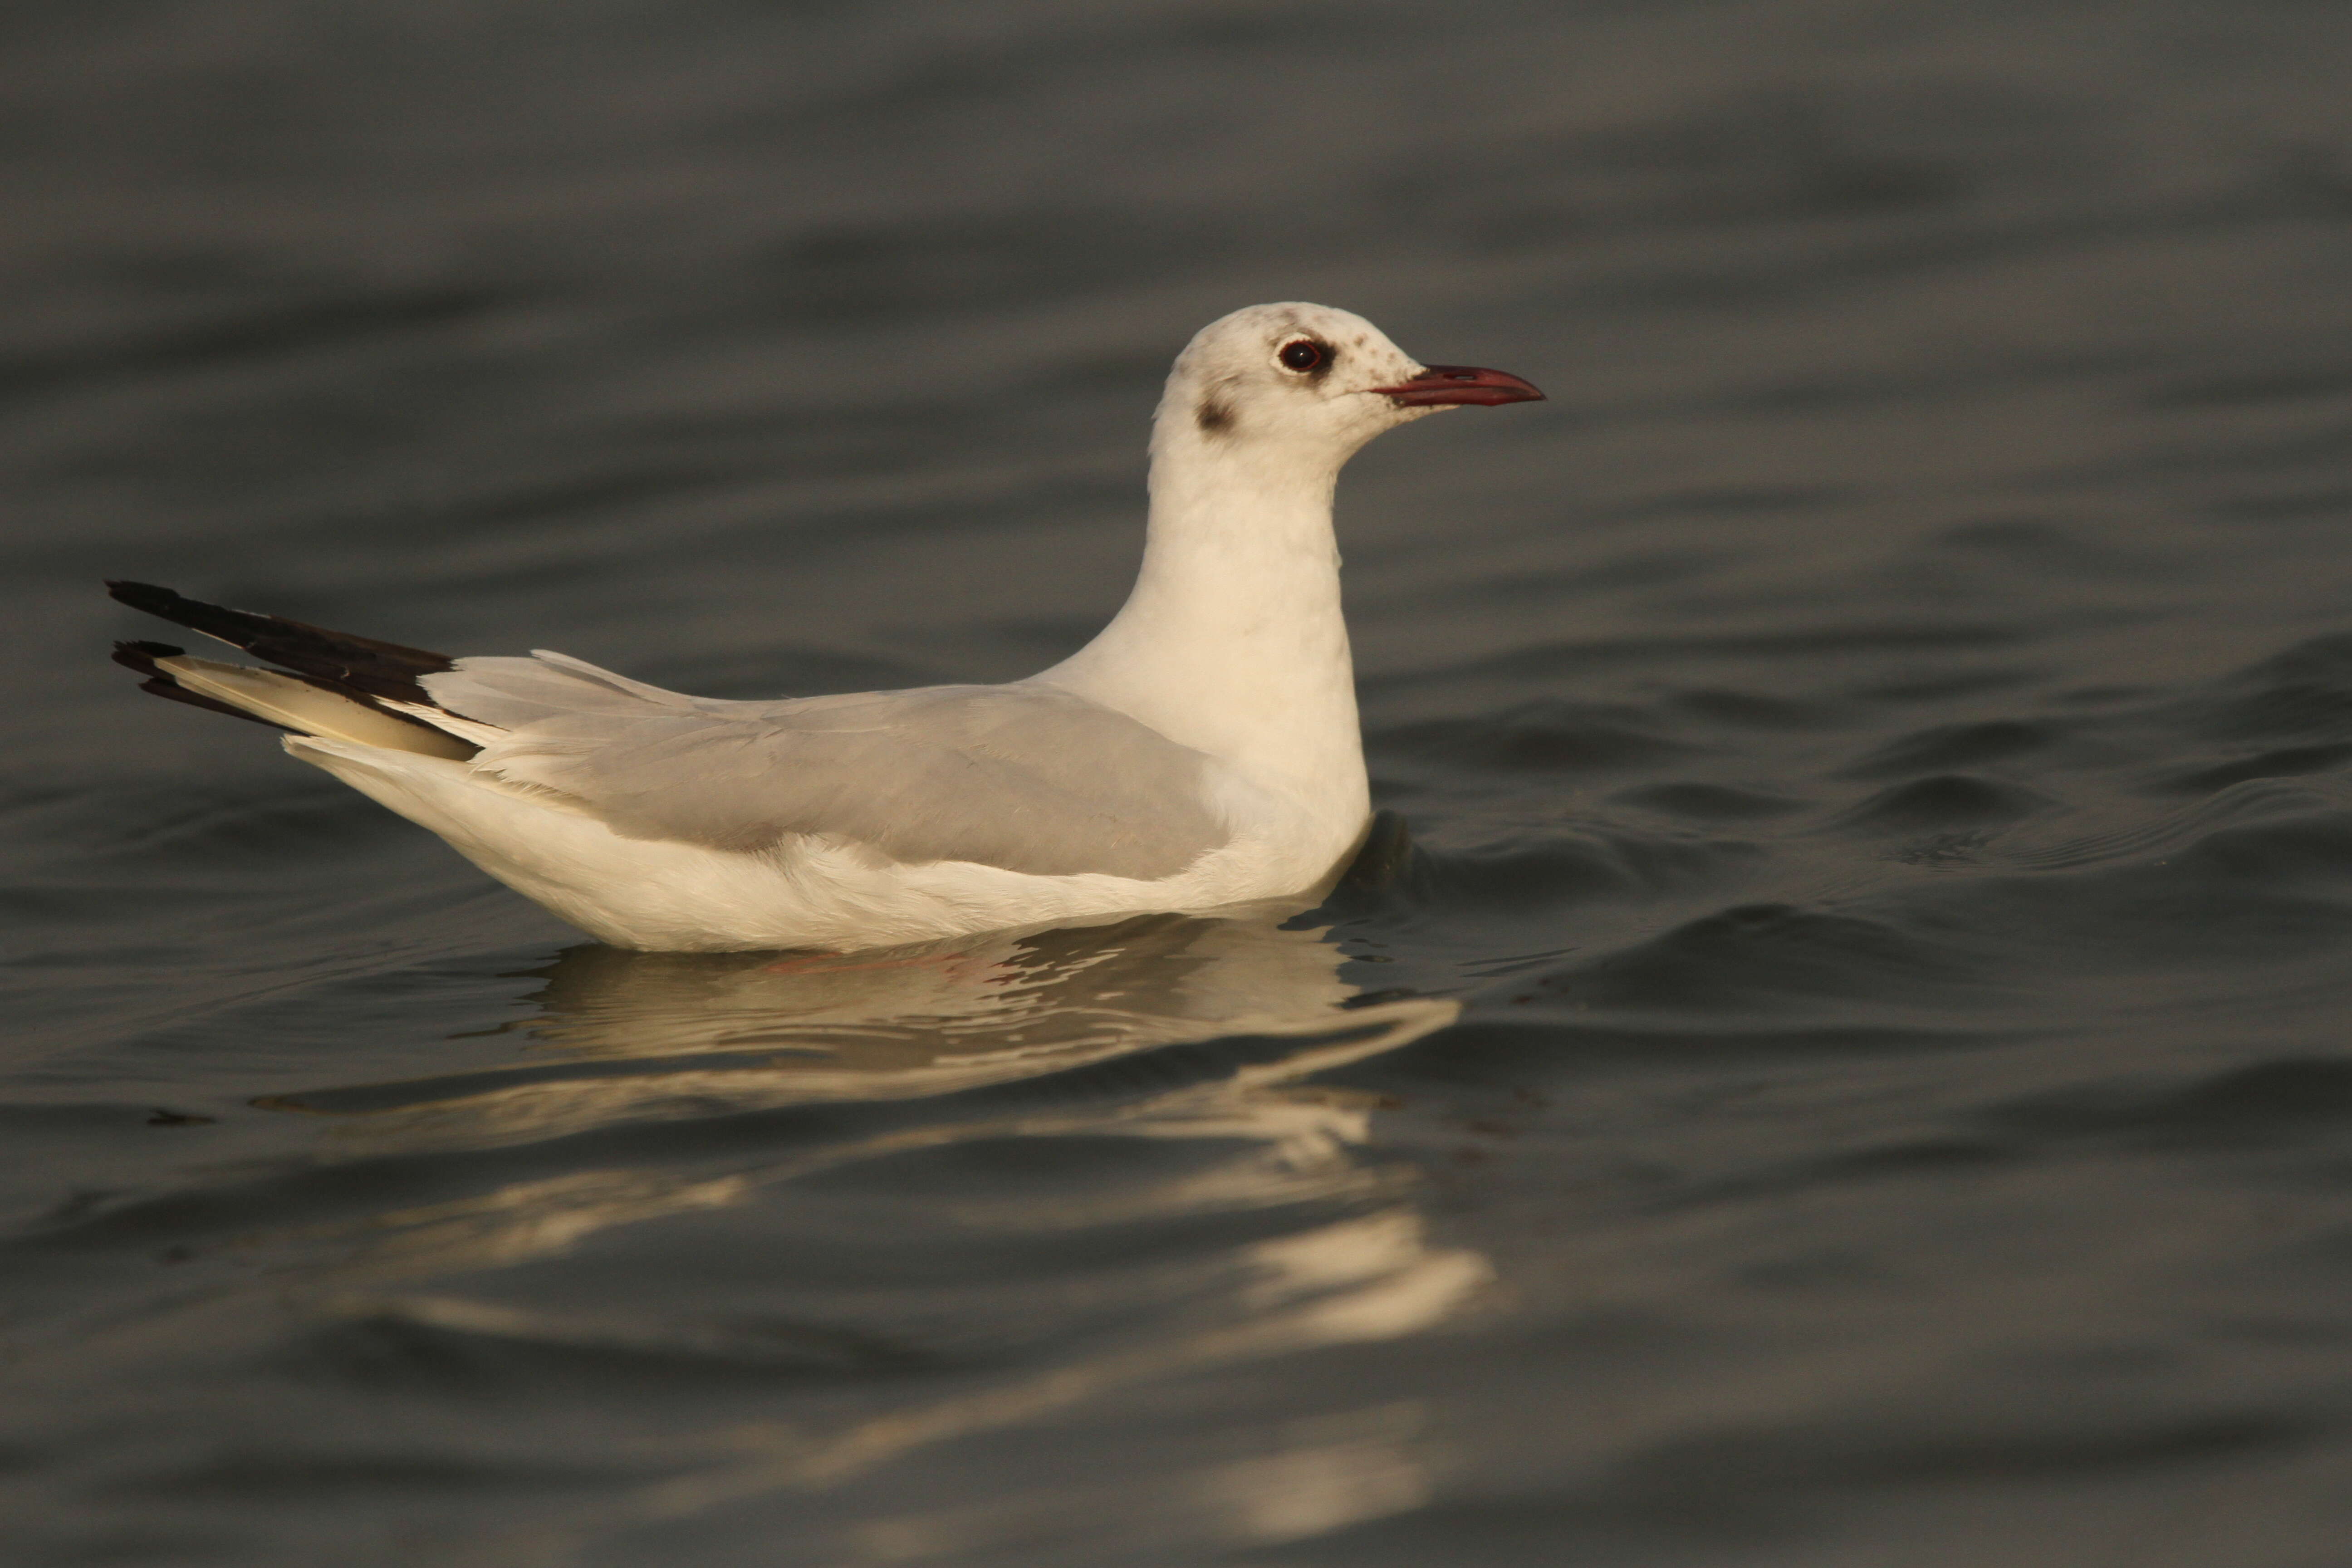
(1848, 1068)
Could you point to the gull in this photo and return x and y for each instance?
(1203, 752)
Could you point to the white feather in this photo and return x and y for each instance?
(299, 705)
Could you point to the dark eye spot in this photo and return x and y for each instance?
(1305, 354)
(1214, 417)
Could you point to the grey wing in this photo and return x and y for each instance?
(1028, 778)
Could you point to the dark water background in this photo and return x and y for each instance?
(1854, 1074)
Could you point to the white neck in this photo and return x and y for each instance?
(1232, 641)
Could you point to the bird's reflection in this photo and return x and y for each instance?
(626, 1036)
(658, 1087)
(948, 1005)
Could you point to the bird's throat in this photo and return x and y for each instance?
(1232, 641)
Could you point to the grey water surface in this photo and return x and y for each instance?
(1849, 1069)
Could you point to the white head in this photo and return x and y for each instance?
(1306, 385)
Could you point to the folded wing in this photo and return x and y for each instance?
(1028, 778)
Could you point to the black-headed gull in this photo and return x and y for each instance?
(1202, 752)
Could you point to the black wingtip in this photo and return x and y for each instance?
(147, 596)
(358, 667)
(213, 620)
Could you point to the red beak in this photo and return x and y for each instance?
(1462, 383)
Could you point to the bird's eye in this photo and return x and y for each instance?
(1304, 354)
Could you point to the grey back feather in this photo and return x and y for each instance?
(1029, 778)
